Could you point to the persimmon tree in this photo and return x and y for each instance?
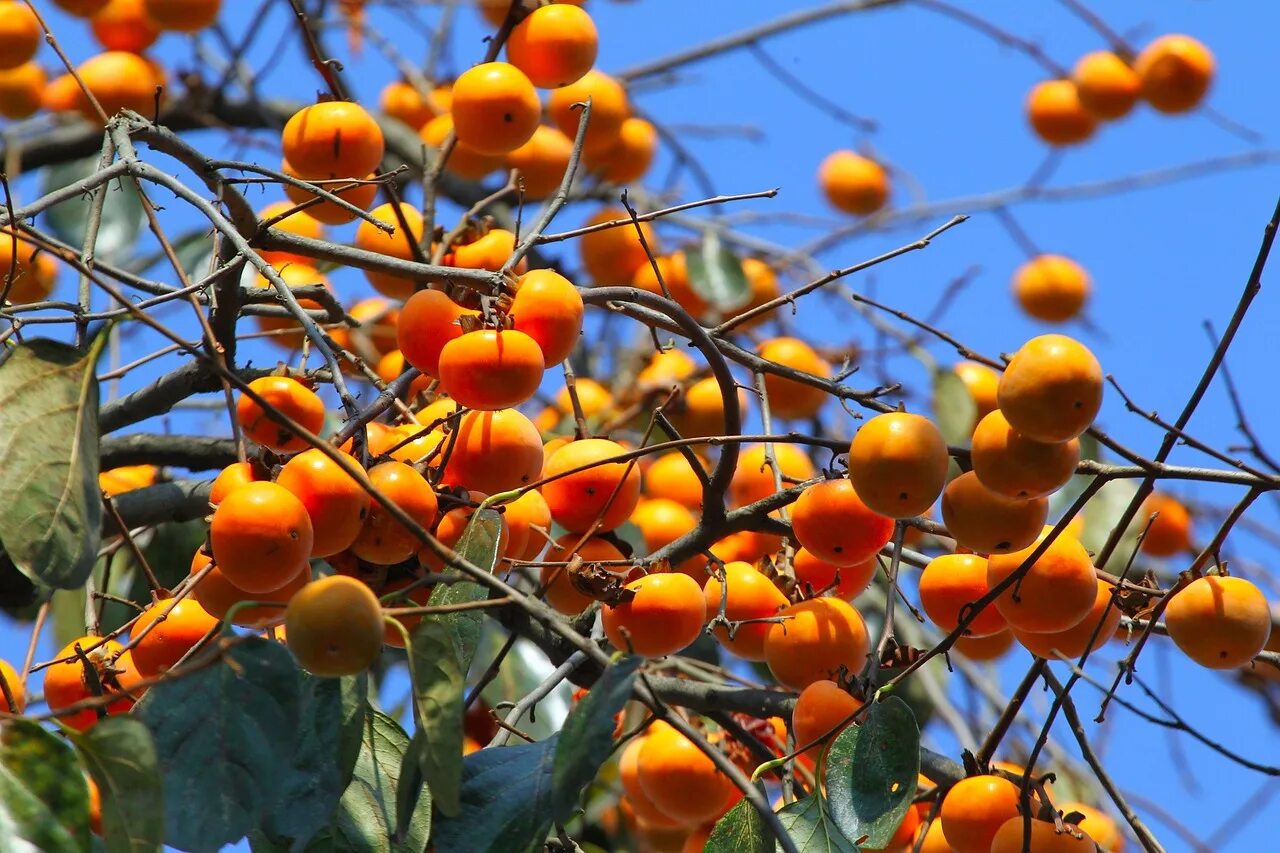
(512, 502)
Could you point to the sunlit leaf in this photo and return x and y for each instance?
(741, 830)
(44, 799)
(872, 771)
(954, 409)
(812, 829)
(479, 545)
(715, 274)
(122, 214)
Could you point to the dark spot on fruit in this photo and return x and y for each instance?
(1002, 546)
(508, 117)
(293, 534)
(902, 496)
(590, 492)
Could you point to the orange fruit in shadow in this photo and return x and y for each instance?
(833, 524)
(817, 639)
(360, 195)
(665, 615)
(65, 682)
(680, 780)
(1016, 466)
(826, 578)
(1073, 642)
(178, 627)
(463, 162)
(332, 138)
(629, 776)
(1176, 73)
(747, 594)
(949, 583)
(983, 649)
(217, 595)
(398, 244)
(383, 539)
(1170, 532)
(1055, 594)
(988, 522)
(822, 711)
(981, 382)
(628, 159)
(674, 269)
(612, 255)
(183, 16)
(261, 536)
(16, 690)
(493, 452)
(1219, 622)
(523, 514)
(288, 397)
(554, 45)
(491, 369)
(1099, 825)
(898, 464)
(561, 594)
(402, 101)
(1056, 114)
(542, 162)
(428, 321)
(1012, 837)
(974, 809)
(334, 626)
(1052, 389)
(671, 477)
(294, 275)
(753, 478)
(608, 491)
(495, 108)
(32, 271)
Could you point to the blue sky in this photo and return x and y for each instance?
(948, 102)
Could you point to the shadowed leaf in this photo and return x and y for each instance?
(587, 737)
(715, 274)
(438, 682)
(506, 801)
(953, 406)
(479, 545)
(741, 830)
(121, 757)
(872, 771)
(812, 830)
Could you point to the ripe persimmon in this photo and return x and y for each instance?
(487, 252)
(65, 682)
(666, 614)
(15, 689)
(1055, 594)
(933, 841)
(127, 478)
(1051, 389)
(609, 109)
(816, 639)
(261, 536)
(22, 90)
(974, 809)
(120, 81)
(336, 502)
(491, 369)
(524, 514)
(495, 108)
(183, 16)
(20, 34)
(561, 593)
(391, 365)
(753, 478)
(332, 138)
(383, 539)
(1099, 825)
(951, 582)
(398, 245)
(166, 631)
(346, 187)
(747, 594)
(612, 255)
(493, 452)
(554, 46)
(853, 183)
(548, 308)
(605, 491)
(334, 626)
(217, 595)
(984, 649)
(981, 382)
(830, 579)
(821, 712)
(628, 159)
(286, 331)
(463, 162)
(1104, 618)
(1219, 622)
(633, 793)
(832, 523)
(402, 100)
(789, 398)
(1051, 288)
(1107, 86)
(662, 521)
(452, 525)
(298, 223)
(987, 521)
(232, 477)
(1170, 532)
(428, 321)
(1056, 114)
(898, 464)
(542, 162)
(1016, 466)
(680, 780)
(674, 271)
(671, 476)
(31, 271)
(287, 396)
(1012, 837)
(1176, 72)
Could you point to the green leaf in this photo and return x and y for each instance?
(1101, 515)
(954, 409)
(741, 830)
(479, 545)
(506, 801)
(121, 757)
(225, 736)
(319, 765)
(438, 682)
(168, 548)
(587, 737)
(412, 785)
(631, 533)
(811, 828)
(715, 274)
(44, 799)
(366, 815)
(872, 772)
(66, 612)
(122, 214)
(1062, 499)
(50, 506)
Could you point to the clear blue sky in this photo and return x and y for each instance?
(949, 106)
